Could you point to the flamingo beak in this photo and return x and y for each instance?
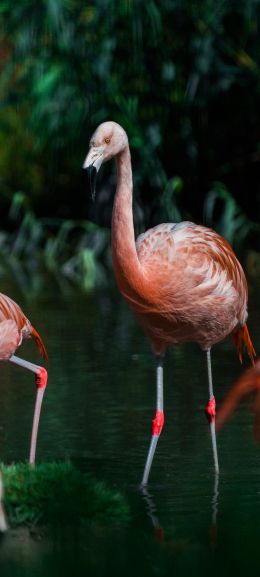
(92, 179)
(92, 165)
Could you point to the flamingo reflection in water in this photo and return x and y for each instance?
(183, 281)
(161, 536)
(14, 327)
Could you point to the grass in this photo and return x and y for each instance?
(59, 494)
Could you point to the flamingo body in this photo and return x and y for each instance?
(196, 289)
(183, 281)
(14, 327)
(9, 339)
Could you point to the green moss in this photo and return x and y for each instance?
(58, 493)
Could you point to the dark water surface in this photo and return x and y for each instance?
(97, 412)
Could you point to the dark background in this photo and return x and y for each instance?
(183, 79)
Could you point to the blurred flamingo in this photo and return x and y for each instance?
(14, 327)
(182, 281)
(247, 384)
(3, 522)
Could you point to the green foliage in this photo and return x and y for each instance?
(68, 248)
(231, 222)
(170, 198)
(181, 77)
(58, 493)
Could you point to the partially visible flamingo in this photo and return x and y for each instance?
(182, 281)
(14, 327)
(3, 522)
(247, 384)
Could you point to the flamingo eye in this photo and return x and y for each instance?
(107, 140)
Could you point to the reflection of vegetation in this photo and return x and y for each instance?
(58, 493)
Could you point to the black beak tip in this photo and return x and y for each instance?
(92, 177)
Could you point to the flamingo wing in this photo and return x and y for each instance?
(10, 310)
(196, 280)
(205, 258)
(9, 339)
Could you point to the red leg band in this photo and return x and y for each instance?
(157, 423)
(41, 378)
(210, 410)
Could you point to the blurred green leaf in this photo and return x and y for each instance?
(231, 222)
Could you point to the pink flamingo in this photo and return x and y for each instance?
(14, 327)
(183, 281)
(247, 384)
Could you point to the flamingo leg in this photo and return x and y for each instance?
(210, 411)
(41, 377)
(158, 421)
(3, 522)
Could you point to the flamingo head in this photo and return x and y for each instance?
(108, 140)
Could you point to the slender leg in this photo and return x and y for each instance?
(41, 377)
(158, 421)
(210, 411)
(3, 523)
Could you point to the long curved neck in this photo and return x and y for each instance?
(125, 260)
